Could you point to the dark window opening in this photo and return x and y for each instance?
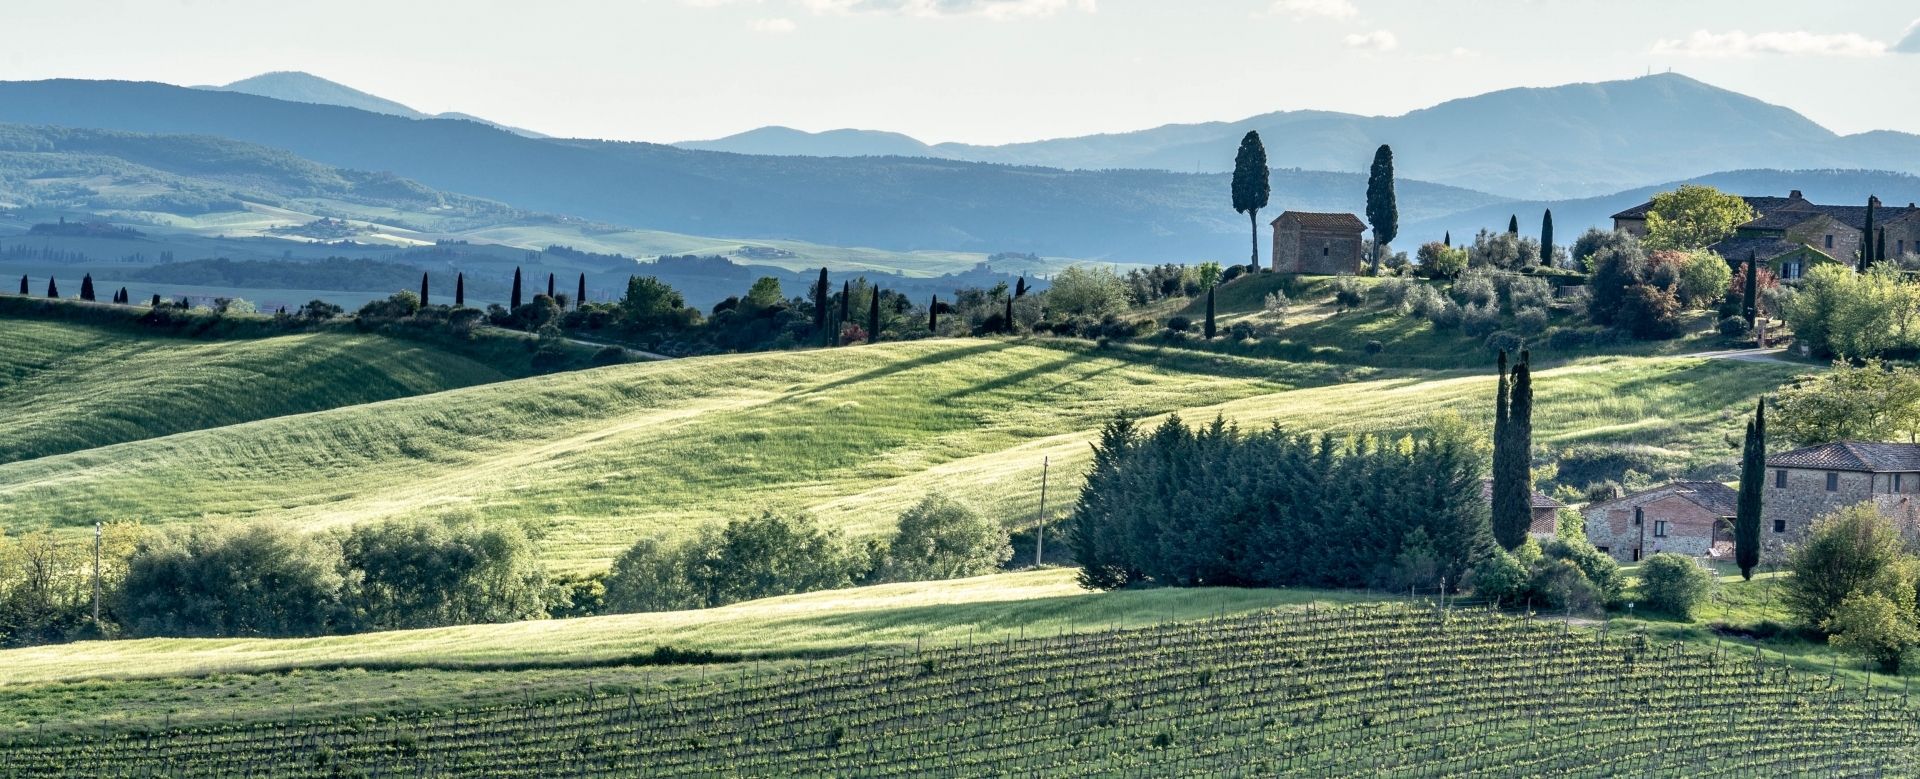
(1636, 555)
(1780, 479)
(1779, 526)
(1829, 241)
(1637, 516)
(1833, 482)
(1659, 528)
(1324, 251)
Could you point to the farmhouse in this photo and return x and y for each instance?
(1809, 483)
(1546, 512)
(1693, 518)
(1792, 234)
(1306, 242)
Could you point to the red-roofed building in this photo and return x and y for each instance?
(1693, 518)
(1326, 244)
(1809, 483)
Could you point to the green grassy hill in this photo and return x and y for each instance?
(70, 387)
(601, 457)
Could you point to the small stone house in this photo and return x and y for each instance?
(1324, 244)
(1807, 484)
(1546, 512)
(1692, 518)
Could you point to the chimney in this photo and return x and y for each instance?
(1795, 195)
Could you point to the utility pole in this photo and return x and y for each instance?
(96, 575)
(1040, 537)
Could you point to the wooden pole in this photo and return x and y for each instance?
(1040, 536)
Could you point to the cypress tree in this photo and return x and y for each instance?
(581, 298)
(1513, 466)
(460, 289)
(1383, 214)
(846, 298)
(873, 317)
(423, 290)
(1252, 183)
(550, 287)
(1020, 287)
(1753, 473)
(820, 293)
(53, 289)
(1546, 238)
(1513, 224)
(1750, 300)
(156, 300)
(1497, 497)
(933, 315)
(1009, 316)
(1448, 241)
(514, 301)
(86, 287)
(1880, 247)
(1866, 237)
(23, 286)
(1209, 326)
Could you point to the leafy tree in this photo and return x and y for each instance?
(1207, 329)
(1870, 401)
(428, 573)
(1704, 276)
(941, 538)
(1441, 261)
(765, 292)
(1383, 214)
(1674, 584)
(1859, 315)
(1546, 238)
(760, 557)
(1506, 251)
(1856, 550)
(650, 302)
(1874, 626)
(1694, 217)
(1252, 183)
(1651, 312)
(1618, 264)
(1208, 273)
(217, 580)
(460, 290)
(652, 575)
(1753, 473)
(513, 302)
(1087, 290)
(1501, 577)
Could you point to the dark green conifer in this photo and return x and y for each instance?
(821, 297)
(873, 317)
(514, 301)
(1448, 241)
(156, 300)
(1513, 224)
(1513, 466)
(550, 287)
(1252, 184)
(1753, 474)
(580, 298)
(1208, 327)
(1009, 316)
(423, 290)
(1880, 247)
(1866, 237)
(460, 289)
(1020, 287)
(933, 315)
(86, 287)
(1383, 213)
(53, 289)
(1546, 238)
(846, 299)
(1750, 298)
(23, 286)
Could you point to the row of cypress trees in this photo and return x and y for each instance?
(1512, 500)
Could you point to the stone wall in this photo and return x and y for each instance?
(1691, 529)
(1322, 252)
(1795, 507)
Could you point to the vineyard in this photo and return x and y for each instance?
(1371, 690)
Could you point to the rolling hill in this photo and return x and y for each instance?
(301, 87)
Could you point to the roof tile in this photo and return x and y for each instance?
(1859, 456)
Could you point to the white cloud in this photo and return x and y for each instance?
(770, 25)
(1378, 40)
(1301, 9)
(1910, 42)
(711, 3)
(1739, 44)
(991, 9)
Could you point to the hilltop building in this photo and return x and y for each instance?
(1326, 244)
(1792, 234)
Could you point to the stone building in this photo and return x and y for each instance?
(1807, 484)
(1792, 234)
(1693, 518)
(1546, 512)
(1326, 244)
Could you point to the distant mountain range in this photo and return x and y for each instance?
(1571, 141)
(298, 87)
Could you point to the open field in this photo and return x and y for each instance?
(599, 457)
(1375, 691)
(71, 387)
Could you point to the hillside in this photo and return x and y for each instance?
(601, 457)
(890, 203)
(308, 88)
(1322, 693)
(72, 387)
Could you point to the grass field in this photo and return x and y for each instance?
(72, 387)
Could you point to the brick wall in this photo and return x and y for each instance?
(1690, 529)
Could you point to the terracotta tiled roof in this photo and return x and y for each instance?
(1762, 204)
(1713, 496)
(1323, 221)
(1779, 220)
(1860, 456)
(1737, 250)
(1540, 499)
(1856, 216)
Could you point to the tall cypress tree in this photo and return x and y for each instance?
(1513, 224)
(821, 296)
(53, 289)
(1513, 472)
(1753, 474)
(1880, 247)
(1252, 184)
(1448, 241)
(581, 298)
(86, 287)
(23, 286)
(156, 300)
(1750, 297)
(933, 315)
(846, 298)
(1501, 453)
(1208, 329)
(423, 290)
(1020, 287)
(1546, 238)
(550, 287)
(1383, 213)
(1866, 237)
(514, 301)
(460, 289)
(1009, 316)
(873, 317)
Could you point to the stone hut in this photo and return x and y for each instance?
(1807, 484)
(1693, 518)
(1325, 244)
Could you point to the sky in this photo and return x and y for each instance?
(978, 71)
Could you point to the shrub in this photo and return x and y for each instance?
(1479, 321)
(1446, 315)
(1179, 324)
(1733, 327)
(1240, 331)
(1874, 626)
(1475, 287)
(1568, 338)
(759, 557)
(1394, 291)
(941, 538)
(1856, 550)
(1501, 340)
(1652, 313)
(1704, 278)
(1348, 292)
(1421, 300)
(1500, 578)
(1276, 302)
(428, 573)
(217, 580)
(1375, 347)
(1530, 321)
(1673, 584)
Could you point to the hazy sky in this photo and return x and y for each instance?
(979, 71)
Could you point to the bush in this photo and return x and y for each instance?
(1674, 584)
(1874, 626)
(1375, 347)
(1479, 321)
(1240, 331)
(1349, 292)
(1421, 300)
(1394, 291)
(941, 538)
(1528, 292)
(1475, 287)
(1568, 338)
(760, 557)
(1501, 340)
(1733, 327)
(1446, 316)
(1704, 278)
(1500, 578)
(1652, 313)
(1856, 550)
(1530, 321)
(1179, 324)
(428, 573)
(1276, 302)
(261, 579)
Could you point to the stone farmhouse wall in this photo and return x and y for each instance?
(1690, 529)
(1298, 249)
(1788, 513)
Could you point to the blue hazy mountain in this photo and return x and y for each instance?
(788, 142)
(298, 87)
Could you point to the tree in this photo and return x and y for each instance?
(550, 286)
(1252, 183)
(1618, 264)
(1870, 401)
(1441, 261)
(580, 297)
(86, 287)
(822, 297)
(23, 286)
(650, 302)
(460, 290)
(933, 315)
(53, 288)
(846, 300)
(941, 538)
(428, 573)
(873, 316)
(1546, 238)
(1087, 290)
(1704, 277)
(1750, 297)
(1007, 318)
(217, 580)
(1513, 456)
(1874, 626)
(513, 302)
(1674, 584)
(765, 293)
(1865, 259)
(1854, 550)
(1838, 312)
(423, 289)
(1020, 287)
(1383, 215)
(1753, 472)
(1448, 240)
(1694, 217)
(1208, 328)
(1880, 247)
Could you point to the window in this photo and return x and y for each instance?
(1833, 482)
(1896, 482)
(1325, 251)
(1637, 516)
(1829, 241)
(1659, 528)
(1780, 479)
(1779, 526)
